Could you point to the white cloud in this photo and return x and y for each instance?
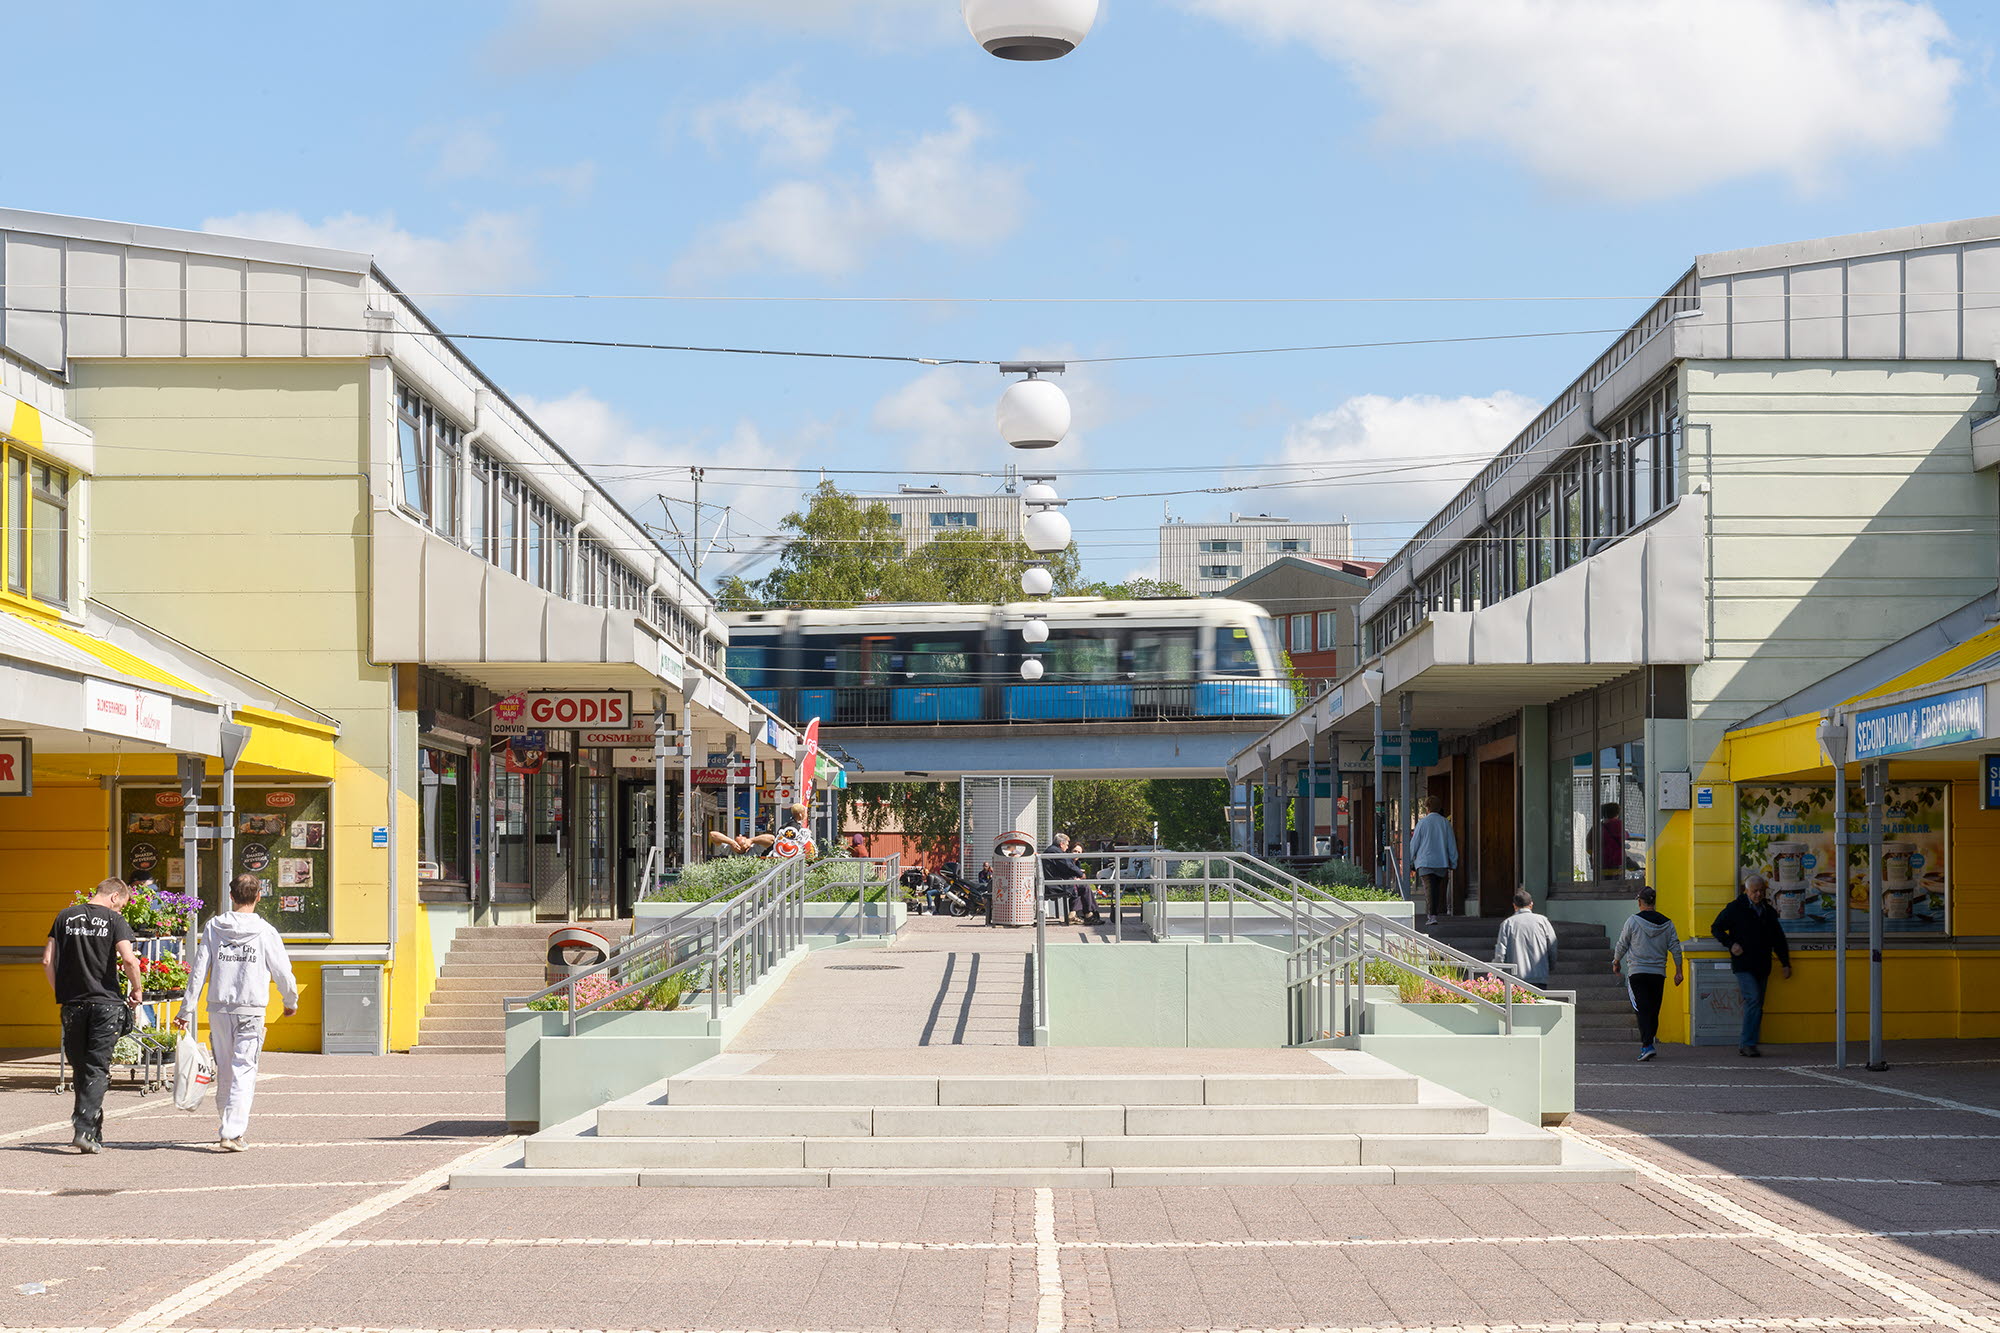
(627, 459)
(577, 32)
(1376, 434)
(491, 252)
(932, 190)
(1638, 99)
(790, 133)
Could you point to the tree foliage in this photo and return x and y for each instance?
(1135, 590)
(1104, 810)
(1192, 812)
(841, 550)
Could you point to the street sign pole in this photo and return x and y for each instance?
(1833, 736)
(1877, 780)
(1406, 704)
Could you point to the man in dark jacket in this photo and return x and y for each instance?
(1749, 929)
(1059, 875)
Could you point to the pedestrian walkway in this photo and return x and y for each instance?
(945, 981)
(1772, 1200)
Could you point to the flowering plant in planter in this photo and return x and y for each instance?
(163, 978)
(155, 911)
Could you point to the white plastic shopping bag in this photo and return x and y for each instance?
(194, 1073)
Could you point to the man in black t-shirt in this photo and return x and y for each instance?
(88, 945)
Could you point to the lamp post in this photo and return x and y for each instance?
(1029, 29)
(1373, 681)
(1034, 414)
(1833, 737)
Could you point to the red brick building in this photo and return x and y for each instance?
(1313, 599)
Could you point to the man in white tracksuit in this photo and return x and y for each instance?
(240, 955)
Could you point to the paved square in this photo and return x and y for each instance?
(1775, 1195)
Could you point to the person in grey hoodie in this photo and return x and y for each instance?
(1526, 944)
(1641, 957)
(239, 955)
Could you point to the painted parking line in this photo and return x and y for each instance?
(1742, 1137)
(1808, 1110)
(212, 1189)
(1919, 1302)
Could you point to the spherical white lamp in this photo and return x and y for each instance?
(1040, 493)
(1035, 631)
(1029, 29)
(1033, 414)
(1046, 531)
(1036, 581)
(1031, 669)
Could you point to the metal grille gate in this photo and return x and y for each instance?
(991, 806)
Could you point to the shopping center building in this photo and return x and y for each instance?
(262, 500)
(1768, 505)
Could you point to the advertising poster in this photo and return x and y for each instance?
(1784, 832)
(282, 836)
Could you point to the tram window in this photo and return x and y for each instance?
(1235, 651)
(749, 664)
(1163, 654)
(937, 662)
(1081, 655)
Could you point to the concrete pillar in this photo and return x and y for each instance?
(1531, 799)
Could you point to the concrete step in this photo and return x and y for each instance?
(433, 1027)
(461, 1007)
(627, 1121)
(435, 1048)
(1073, 1090)
(459, 1037)
(455, 971)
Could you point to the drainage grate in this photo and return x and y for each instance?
(864, 967)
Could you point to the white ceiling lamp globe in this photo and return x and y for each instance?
(1040, 493)
(1035, 631)
(1031, 669)
(1029, 29)
(1033, 414)
(1037, 581)
(1046, 532)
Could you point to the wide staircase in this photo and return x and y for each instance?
(1138, 1117)
(487, 964)
(1583, 965)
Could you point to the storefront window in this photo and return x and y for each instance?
(49, 530)
(17, 527)
(1597, 816)
(442, 816)
(283, 836)
(510, 836)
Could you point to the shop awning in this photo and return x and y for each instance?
(111, 685)
(1932, 696)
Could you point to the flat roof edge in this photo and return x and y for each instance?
(193, 242)
(1855, 245)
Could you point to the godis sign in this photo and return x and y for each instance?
(610, 710)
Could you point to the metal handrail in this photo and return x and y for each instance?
(758, 924)
(1326, 978)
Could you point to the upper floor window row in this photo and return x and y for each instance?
(1289, 546)
(1601, 491)
(1219, 571)
(954, 519)
(506, 522)
(1219, 547)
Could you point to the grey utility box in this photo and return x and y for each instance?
(1718, 1005)
(350, 1009)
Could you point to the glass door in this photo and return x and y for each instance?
(548, 825)
(596, 896)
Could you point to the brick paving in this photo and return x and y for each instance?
(1773, 1200)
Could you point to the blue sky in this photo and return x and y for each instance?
(867, 148)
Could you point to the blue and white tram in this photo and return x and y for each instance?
(1103, 661)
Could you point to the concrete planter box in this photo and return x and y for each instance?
(553, 1077)
(1178, 994)
(1530, 1075)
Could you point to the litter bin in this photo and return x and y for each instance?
(1013, 880)
(575, 949)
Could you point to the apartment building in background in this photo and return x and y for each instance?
(1206, 558)
(924, 513)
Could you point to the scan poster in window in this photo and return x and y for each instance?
(1785, 833)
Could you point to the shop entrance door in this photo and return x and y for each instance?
(1497, 876)
(596, 890)
(549, 837)
(635, 841)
